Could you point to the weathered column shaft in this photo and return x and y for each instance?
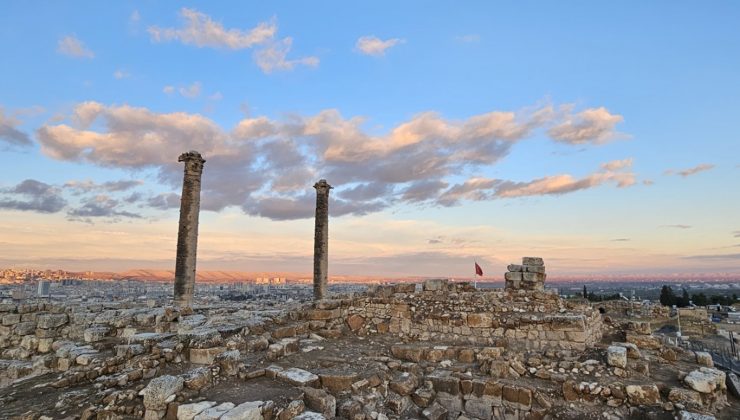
(321, 240)
(187, 236)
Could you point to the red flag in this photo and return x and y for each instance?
(478, 270)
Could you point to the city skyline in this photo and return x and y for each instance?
(597, 137)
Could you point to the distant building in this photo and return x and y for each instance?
(44, 288)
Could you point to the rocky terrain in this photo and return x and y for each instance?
(437, 350)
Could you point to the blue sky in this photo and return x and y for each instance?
(514, 110)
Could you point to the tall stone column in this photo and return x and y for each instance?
(321, 240)
(187, 235)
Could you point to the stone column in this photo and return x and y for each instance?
(321, 240)
(187, 236)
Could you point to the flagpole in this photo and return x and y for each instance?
(475, 275)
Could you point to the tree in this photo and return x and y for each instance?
(685, 299)
(667, 297)
(585, 294)
(700, 299)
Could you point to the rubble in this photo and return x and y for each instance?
(437, 350)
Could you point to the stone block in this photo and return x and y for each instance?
(706, 380)
(251, 410)
(189, 411)
(515, 268)
(513, 276)
(479, 320)
(533, 261)
(432, 285)
(643, 395)
(215, 413)
(321, 401)
(158, 391)
(704, 359)
(617, 356)
(338, 382)
(204, 356)
(298, 377)
(48, 321)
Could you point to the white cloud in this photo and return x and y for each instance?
(274, 57)
(168, 89)
(202, 31)
(73, 47)
(121, 74)
(372, 45)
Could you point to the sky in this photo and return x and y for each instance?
(600, 136)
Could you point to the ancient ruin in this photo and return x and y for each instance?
(187, 235)
(435, 350)
(321, 240)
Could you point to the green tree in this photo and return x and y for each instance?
(585, 293)
(667, 297)
(700, 299)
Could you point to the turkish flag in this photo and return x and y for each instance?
(478, 270)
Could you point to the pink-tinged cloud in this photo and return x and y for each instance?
(691, 171)
(261, 165)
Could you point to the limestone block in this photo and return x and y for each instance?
(189, 411)
(338, 382)
(617, 356)
(643, 395)
(48, 321)
(689, 398)
(228, 361)
(404, 383)
(197, 378)
(704, 359)
(96, 333)
(321, 401)
(25, 328)
(204, 356)
(479, 320)
(435, 412)
(532, 261)
(298, 377)
(214, 413)
(159, 390)
(706, 380)
(513, 276)
(251, 410)
(11, 319)
(435, 285)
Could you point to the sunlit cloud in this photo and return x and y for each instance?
(200, 30)
(261, 165)
(374, 46)
(690, 171)
(73, 47)
(274, 57)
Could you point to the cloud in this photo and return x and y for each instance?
(164, 201)
(10, 134)
(620, 240)
(690, 171)
(677, 226)
(273, 57)
(372, 45)
(201, 31)
(736, 234)
(97, 207)
(121, 74)
(169, 90)
(617, 164)
(192, 91)
(469, 38)
(266, 166)
(595, 125)
(714, 257)
(73, 47)
(109, 186)
(32, 195)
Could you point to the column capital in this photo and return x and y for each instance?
(193, 160)
(322, 186)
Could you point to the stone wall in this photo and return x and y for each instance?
(456, 313)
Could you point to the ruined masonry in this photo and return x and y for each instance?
(440, 350)
(321, 240)
(187, 235)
